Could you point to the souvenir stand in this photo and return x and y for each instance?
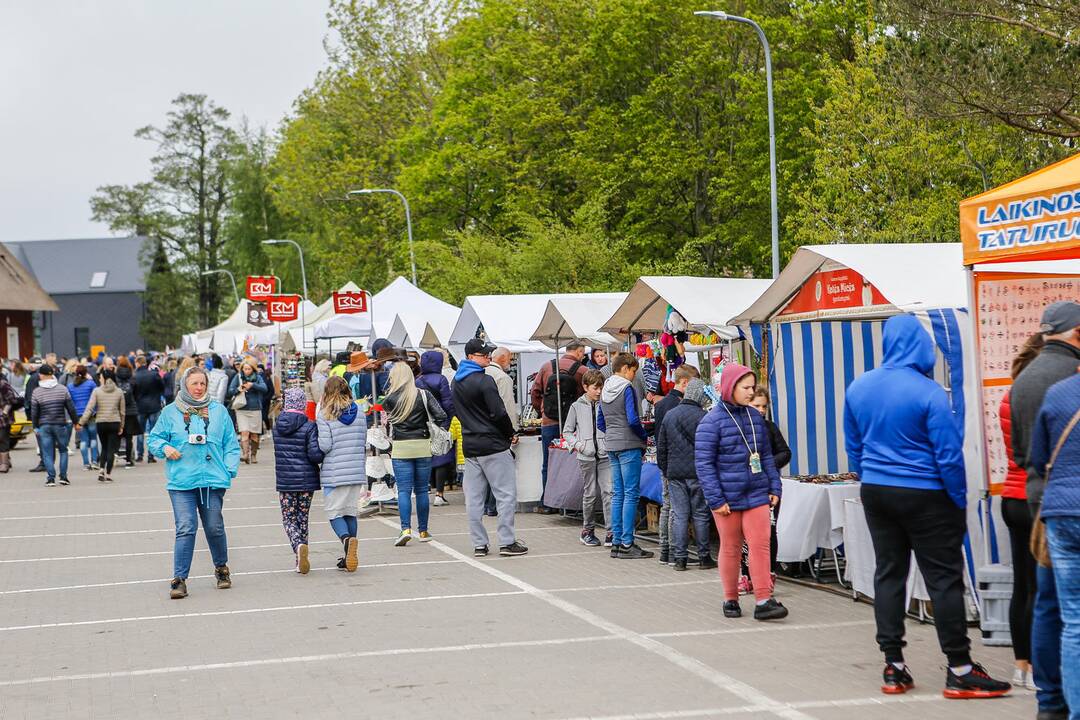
(697, 308)
(1022, 252)
(565, 319)
(817, 328)
(508, 321)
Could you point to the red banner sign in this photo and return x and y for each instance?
(261, 287)
(350, 302)
(283, 308)
(834, 290)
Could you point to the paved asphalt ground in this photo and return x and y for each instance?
(87, 629)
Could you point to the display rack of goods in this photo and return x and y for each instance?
(828, 479)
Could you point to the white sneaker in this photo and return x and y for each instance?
(1029, 683)
(1019, 677)
(403, 539)
(440, 501)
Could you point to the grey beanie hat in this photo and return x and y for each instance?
(695, 391)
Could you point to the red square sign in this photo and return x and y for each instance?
(350, 302)
(283, 308)
(260, 287)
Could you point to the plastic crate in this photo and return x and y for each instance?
(997, 639)
(994, 576)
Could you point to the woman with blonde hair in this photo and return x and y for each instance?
(409, 409)
(249, 418)
(343, 441)
(179, 373)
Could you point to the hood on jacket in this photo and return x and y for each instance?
(109, 385)
(907, 344)
(48, 382)
(348, 415)
(431, 362)
(380, 344)
(289, 423)
(730, 377)
(466, 368)
(613, 388)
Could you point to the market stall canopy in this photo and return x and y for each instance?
(508, 320)
(296, 332)
(244, 324)
(705, 303)
(400, 296)
(579, 317)
(425, 325)
(1034, 218)
(851, 279)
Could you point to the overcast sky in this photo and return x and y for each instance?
(78, 77)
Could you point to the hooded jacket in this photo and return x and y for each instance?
(618, 416)
(210, 465)
(343, 442)
(218, 384)
(149, 389)
(898, 424)
(1062, 496)
(724, 440)
(296, 453)
(1057, 361)
(485, 427)
(51, 404)
(676, 438)
(580, 430)
(106, 405)
(80, 393)
(432, 379)
(124, 378)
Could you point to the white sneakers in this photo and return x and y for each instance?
(439, 501)
(1023, 679)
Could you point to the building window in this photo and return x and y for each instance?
(98, 279)
(82, 341)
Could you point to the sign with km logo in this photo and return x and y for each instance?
(283, 308)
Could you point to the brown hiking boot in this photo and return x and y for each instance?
(224, 582)
(177, 589)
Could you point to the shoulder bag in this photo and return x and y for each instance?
(1039, 548)
(441, 442)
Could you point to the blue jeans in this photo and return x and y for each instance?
(688, 503)
(88, 444)
(1063, 538)
(188, 506)
(411, 476)
(53, 439)
(625, 491)
(147, 423)
(1046, 642)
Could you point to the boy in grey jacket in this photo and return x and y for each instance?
(588, 443)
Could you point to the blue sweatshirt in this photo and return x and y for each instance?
(899, 425)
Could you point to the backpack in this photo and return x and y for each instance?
(129, 397)
(559, 396)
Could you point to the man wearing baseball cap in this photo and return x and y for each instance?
(1059, 360)
(486, 432)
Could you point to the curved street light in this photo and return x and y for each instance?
(408, 220)
(232, 279)
(721, 15)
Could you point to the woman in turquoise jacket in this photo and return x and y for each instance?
(195, 436)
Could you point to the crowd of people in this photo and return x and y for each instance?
(426, 423)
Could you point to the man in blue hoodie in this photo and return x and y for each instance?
(906, 447)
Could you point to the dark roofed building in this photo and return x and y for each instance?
(98, 285)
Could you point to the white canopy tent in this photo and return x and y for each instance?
(230, 334)
(705, 303)
(297, 335)
(424, 325)
(579, 317)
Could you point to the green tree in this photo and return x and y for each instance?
(169, 313)
(185, 204)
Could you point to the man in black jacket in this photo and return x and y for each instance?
(675, 456)
(50, 409)
(486, 433)
(148, 388)
(32, 381)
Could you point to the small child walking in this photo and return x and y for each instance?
(296, 463)
(343, 440)
(588, 443)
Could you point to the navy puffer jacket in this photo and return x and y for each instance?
(675, 441)
(723, 459)
(296, 453)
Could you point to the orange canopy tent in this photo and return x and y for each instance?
(1034, 218)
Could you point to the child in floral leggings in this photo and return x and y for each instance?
(296, 459)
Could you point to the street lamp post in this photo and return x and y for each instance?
(232, 279)
(408, 220)
(720, 15)
(303, 278)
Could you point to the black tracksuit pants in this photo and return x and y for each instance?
(902, 520)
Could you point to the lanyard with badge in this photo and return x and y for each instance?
(755, 456)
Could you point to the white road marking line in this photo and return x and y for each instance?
(307, 659)
(690, 664)
(123, 532)
(104, 497)
(905, 699)
(124, 583)
(255, 611)
(761, 628)
(710, 581)
(129, 514)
